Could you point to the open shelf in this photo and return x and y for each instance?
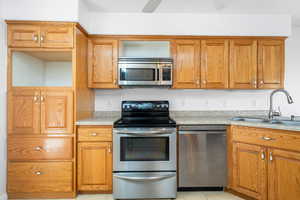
(40, 68)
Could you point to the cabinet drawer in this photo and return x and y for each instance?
(267, 137)
(40, 148)
(28, 177)
(95, 134)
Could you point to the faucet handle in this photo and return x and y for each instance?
(277, 113)
(293, 118)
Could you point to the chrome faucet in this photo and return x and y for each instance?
(272, 112)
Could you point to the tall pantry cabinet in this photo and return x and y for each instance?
(47, 93)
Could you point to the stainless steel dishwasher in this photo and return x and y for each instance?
(202, 157)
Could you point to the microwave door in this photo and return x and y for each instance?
(138, 74)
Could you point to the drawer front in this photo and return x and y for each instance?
(267, 137)
(28, 177)
(40, 148)
(95, 134)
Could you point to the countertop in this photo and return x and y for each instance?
(195, 118)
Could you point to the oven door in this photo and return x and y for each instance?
(138, 74)
(144, 149)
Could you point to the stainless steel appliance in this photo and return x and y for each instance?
(145, 71)
(144, 156)
(202, 157)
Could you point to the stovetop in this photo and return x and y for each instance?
(145, 114)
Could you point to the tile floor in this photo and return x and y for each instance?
(180, 196)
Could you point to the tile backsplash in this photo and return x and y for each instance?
(196, 100)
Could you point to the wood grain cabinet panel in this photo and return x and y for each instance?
(284, 175)
(23, 35)
(249, 170)
(95, 166)
(243, 64)
(30, 177)
(103, 57)
(103, 134)
(271, 64)
(20, 149)
(186, 54)
(23, 111)
(57, 35)
(214, 63)
(57, 111)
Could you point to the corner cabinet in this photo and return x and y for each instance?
(265, 163)
(103, 63)
(94, 159)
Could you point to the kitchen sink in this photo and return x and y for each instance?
(264, 120)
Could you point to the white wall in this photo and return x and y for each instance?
(2, 106)
(58, 74)
(187, 24)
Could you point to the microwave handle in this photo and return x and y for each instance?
(157, 74)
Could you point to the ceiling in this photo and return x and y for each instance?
(291, 7)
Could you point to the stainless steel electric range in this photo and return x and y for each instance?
(144, 156)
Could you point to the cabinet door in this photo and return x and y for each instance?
(57, 36)
(243, 64)
(249, 170)
(271, 64)
(214, 63)
(103, 55)
(186, 55)
(94, 166)
(24, 111)
(20, 35)
(284, 175)
(57, 111)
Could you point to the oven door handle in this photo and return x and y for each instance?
(143, 179)
(147, 133)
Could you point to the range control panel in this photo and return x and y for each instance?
(145, 106)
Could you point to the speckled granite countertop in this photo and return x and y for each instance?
(195, 118)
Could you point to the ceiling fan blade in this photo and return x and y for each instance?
(151, 6)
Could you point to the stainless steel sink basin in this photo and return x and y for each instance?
(264, 120)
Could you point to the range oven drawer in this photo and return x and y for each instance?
(144, 185)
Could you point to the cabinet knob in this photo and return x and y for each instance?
(42, 38)
(115, 81)
(263, 155)
(35, 98)
(204, 81)
(109, 148)
(38, 148)
(254, 83)
(271, 156)
(38, 173)
(35, 38)
(267, 138)
(94, 134)
(42, 98)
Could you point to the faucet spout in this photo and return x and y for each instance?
(290, 100)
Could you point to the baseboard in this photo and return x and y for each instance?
(3, 196)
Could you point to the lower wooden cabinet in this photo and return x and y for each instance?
(95, 166)
(265, 163)
(37, 177)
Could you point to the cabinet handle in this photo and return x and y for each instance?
(42, 98)
(94, 134)
(38, 173)
(35, 38)
(267, 138)
(35, 98)
(109, 148)
(198, 82)
(204, 81)
(38, 148)
(115, 82)
(271, 156)
(263, 155)
(254, 83)
(42, 38)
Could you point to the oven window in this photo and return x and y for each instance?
(137, 74)
(145, 149)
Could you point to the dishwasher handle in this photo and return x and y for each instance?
(201, 132)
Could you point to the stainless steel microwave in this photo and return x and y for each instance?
(145, 71)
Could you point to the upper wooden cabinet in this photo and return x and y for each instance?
(103, 63)
(48, 35)
(270, 64)
(214, 63)
(243, 64)
(36, 111)
(186, 54)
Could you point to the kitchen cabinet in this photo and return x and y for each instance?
(249, 170)
(214, 63)
(103, 63)
(265, 163)
(270, 64)
(47, 35)
(186, 54)
(243, 64)
(40, 111)
(95, 159)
